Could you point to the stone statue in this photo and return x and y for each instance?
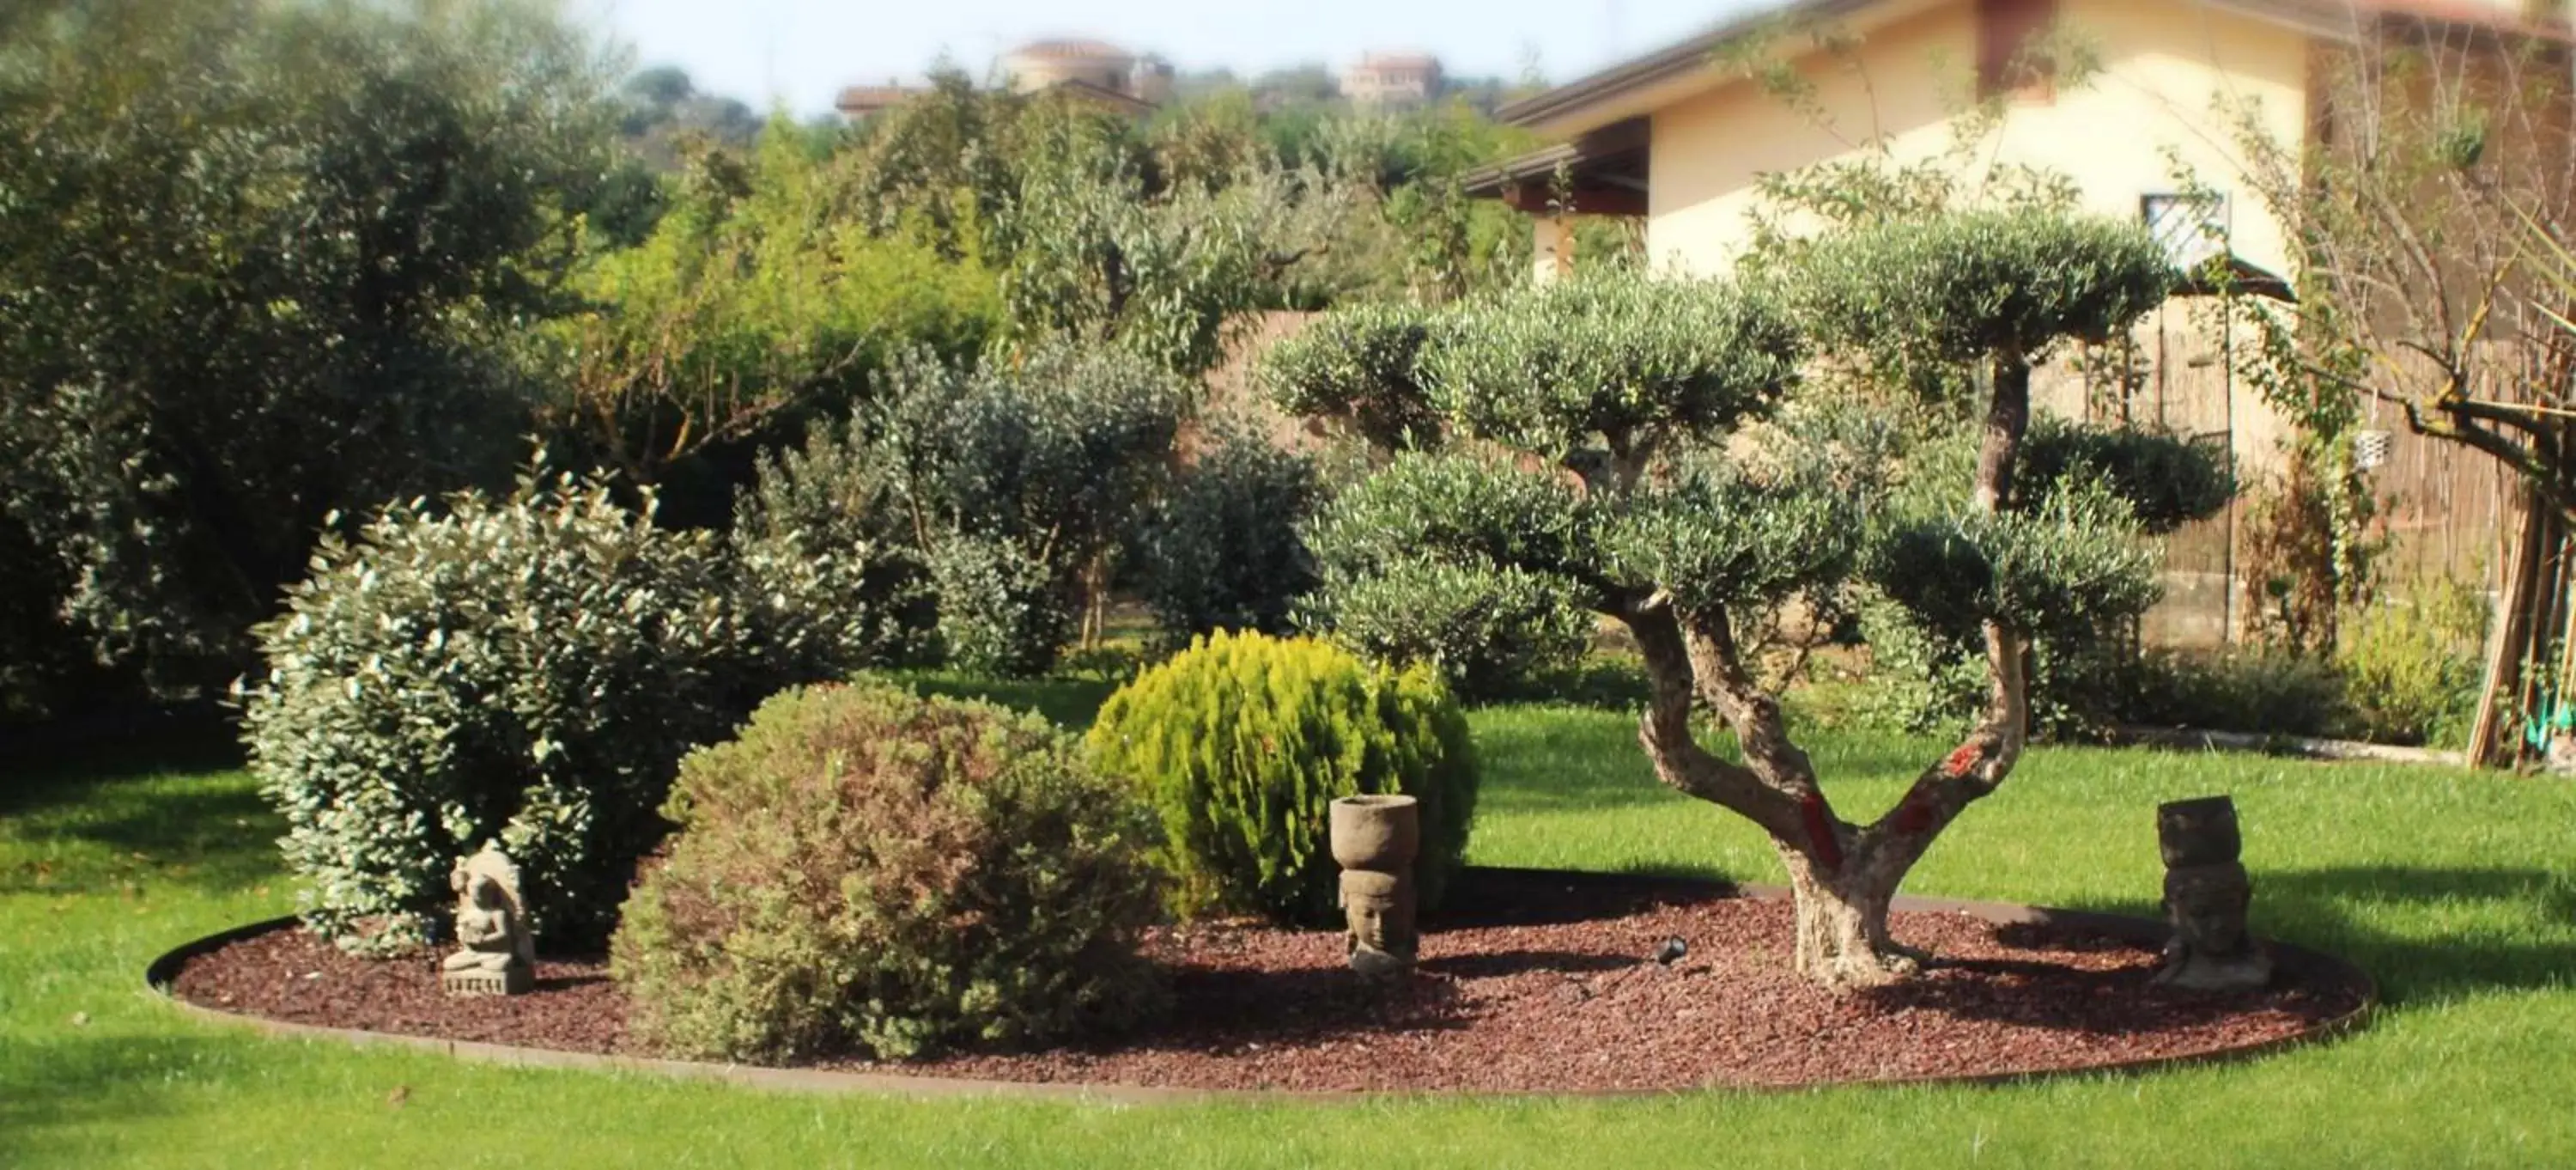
(2206, 896)
(497, 955)
(1375, 839)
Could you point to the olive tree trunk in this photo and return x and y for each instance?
(1842, 876)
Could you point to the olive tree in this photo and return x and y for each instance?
(1600, 414)
(1018, 479)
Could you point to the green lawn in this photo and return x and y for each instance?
(2457, 890)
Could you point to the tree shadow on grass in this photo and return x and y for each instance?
(2337, 910)
(214, 836)
(44, 769)
(78, 1077)
(2361, 913)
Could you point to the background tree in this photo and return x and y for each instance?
(255, 263)
(2420, 282)
(1018, 478)
(661, 111)
(756, 306)
(2428, 217)
(1627, 389)
(937, 165)
(1094, 250)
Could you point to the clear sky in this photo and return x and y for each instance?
(803, 51)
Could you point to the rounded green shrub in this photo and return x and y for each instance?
(868, 869)
(1458, 563)
(1242, 741)
(1360, 366)
(530, 669)
(1220, 550)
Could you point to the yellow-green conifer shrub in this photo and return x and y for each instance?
(1242, 741)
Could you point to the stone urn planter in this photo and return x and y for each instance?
(1375, 839)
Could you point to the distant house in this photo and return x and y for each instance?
(1089, 70)
(1680, 139)
(860, 101)
(1392, 79)
(1093, 72)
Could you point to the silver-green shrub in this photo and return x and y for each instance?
(1020, 478)
(829, 576)
(1220, 550)
(1463, 565)
(530, 669)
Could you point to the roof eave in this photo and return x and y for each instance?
(1563, 109)
(1665, 64)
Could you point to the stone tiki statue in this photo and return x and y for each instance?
(2206, 895)
(1375, 839)
(496, 955)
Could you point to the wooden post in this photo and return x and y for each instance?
(2505, 651)
(2540, 622)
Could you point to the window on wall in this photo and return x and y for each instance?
(2192, 228)
(2007, 31)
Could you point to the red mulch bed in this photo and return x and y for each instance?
(1549, 990)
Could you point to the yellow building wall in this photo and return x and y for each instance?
(2166, 68)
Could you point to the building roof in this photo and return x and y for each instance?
(1422, 61)
(1594, 151)
(860, 99)
(1608, 169)
(2338, 19)
(1071, 49)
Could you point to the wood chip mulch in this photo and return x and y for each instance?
(1551, 991)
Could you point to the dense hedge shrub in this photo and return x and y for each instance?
(866, 868)
(2263, 691)
(1221, 550)
(530, 669)
(1004, 608)
(1242, 741)
(256, 263)
(827, 571)
(45, 665)
(1021, 478)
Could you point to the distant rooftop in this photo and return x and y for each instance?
(1072, 49)
(863, 99)
(1402, 60)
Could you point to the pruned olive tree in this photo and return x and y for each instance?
(1600, 414)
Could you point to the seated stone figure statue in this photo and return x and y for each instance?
(497, 955)
(483, 929)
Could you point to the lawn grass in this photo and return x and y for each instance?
(2455, 889)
